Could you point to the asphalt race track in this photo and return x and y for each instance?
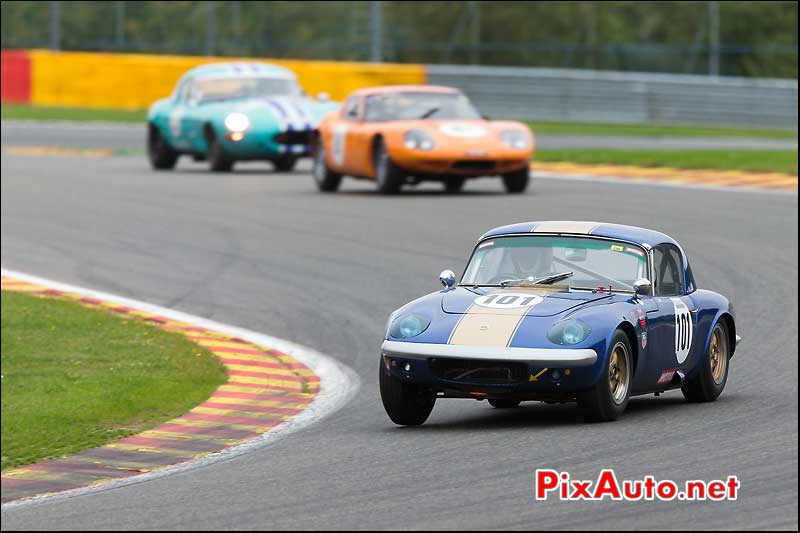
(267, 252)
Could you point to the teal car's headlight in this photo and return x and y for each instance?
(237, 122)
(568, 332)
(409, 325)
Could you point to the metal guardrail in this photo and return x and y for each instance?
(564, 95)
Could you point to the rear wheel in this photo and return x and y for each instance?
(708, 384)
(389, 176)
(454, 185)
(517, 181)
(326, 179)
(284, 164)
(159, 152)
(406, 404)
(218, 160)
(609, 397)
(504, 404)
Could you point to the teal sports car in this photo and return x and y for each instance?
(227, 112)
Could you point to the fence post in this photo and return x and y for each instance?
(376, 31)
(55, 25)
(211, 8)
(713, 37)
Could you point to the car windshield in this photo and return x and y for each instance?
(221, 89)
(522, 259)
(419, 105)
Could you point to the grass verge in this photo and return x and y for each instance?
(784, 161)
(645, 130)
(75, 378)
(27, 112)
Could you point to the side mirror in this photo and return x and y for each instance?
(642, 287)
(448, 279)
(323, 97)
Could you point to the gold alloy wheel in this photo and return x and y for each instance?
(618, 373)
(718, 353)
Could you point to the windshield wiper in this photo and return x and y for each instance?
(429, 113)
(545, 280)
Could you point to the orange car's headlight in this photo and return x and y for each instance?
(517, 139)
(418, 140)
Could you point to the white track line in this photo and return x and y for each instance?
(338, 384)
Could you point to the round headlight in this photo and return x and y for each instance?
(237, 122)
(516, 139)
(568, 332)
(408, 326)
(418, 140)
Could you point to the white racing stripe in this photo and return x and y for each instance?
(338, 384)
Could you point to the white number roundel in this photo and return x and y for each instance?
(508, 300)
(683, 330)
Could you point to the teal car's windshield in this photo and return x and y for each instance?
(202, 91)
(590, 262)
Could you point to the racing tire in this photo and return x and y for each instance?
(609, 397)
(709, 382)
(326, 179)
(504, 404)
(516, 182)
(284, 164)
(454, 185)
(406, 404)
(389, 177)
(159, 152)
(218, 160)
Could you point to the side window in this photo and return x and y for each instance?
(351, 108)
(669, 270)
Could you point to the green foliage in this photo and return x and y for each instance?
(757, 38)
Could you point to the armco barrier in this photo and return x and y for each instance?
(132, 81)
(562, 95)
(15, 74)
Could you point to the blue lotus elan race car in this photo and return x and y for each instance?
(560, 312)
(224, 112)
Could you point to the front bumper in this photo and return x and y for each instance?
(531, 356)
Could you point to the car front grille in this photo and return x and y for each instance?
(479, 372)
(293, 137)
(467, 164)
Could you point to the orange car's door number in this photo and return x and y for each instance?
(338, 144)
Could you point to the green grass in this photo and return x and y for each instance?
(644, 130)
(750, 160)
(26, 112)
(74, 378)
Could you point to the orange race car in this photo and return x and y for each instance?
(406, 134)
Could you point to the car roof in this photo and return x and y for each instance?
(241, 68)
(642, 236)
(387, 89)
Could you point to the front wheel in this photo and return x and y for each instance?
(326, 179)
(284, 164)
(609, 397)
(708, 384)
(516, 182)
(218, 160)
(389, 176)
(406, 404)
(159, 152)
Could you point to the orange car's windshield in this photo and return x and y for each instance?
(419, 105)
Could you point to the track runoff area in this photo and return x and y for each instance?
(357, 256)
